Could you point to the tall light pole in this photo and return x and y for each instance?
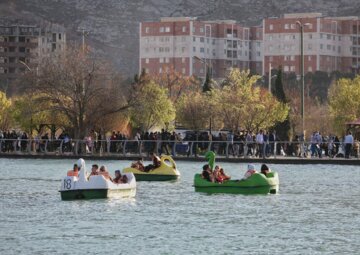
(301, 26)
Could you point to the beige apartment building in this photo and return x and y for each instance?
(191, 46)
(330, 43)
(23, 46)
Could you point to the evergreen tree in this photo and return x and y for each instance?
(207, 84)
(282, 128)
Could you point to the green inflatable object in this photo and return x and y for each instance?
(210, 157)
(255, 184)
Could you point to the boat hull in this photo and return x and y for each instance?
(256, 184)
(155, 177)
(96, 193)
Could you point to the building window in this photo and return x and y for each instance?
(339, 49)
(271, 27)
(328, 47)
(167, 49)
(321, 46)
(160, 70)
(213, 41)
(183, 60)
(258, 53)
(286, 26)
(161, 60)
(292, 68)
(286, 69)
(321, 36)
(167, 29)
(183, 70)
(292, 26)
(194, 49)
(184, 29)
(201, 30)
(292, 58)
(147, 61)
(310, 36)
(167, 60)
(162, 29)
(183, 49)
(194, 39)
(202, 50)
(258, 44)
(309, 58)
(201, 39)
(59, 36)
(309, 69)
(328, 37)
(309, 46)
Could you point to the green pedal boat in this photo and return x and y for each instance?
(256, 184)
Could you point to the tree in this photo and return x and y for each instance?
(81, 87)
(175, 83)
(193, 110)
(207, 87)
(282, 129)
(5, 117)
(242, 104)
(30, 114)
(344, 102)
(152, 107)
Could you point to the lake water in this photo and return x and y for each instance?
(316, 212)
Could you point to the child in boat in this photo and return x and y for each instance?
(120, 178)
(265, 169)
(207, 174)
(104, 172)
(94, 170)
(251, 170)
(74, 172)
(224, 176)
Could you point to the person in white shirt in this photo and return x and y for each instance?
(349, 140)
(260, 143)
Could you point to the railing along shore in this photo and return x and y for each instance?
(190, 149)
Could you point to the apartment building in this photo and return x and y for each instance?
(190, 46)
(330, 43)
(23, 46)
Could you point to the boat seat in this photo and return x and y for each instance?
(270, 175)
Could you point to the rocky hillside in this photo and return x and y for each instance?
(114, 24)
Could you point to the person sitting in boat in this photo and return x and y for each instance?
(104, 172)
(207, 173)
(156, 162)
(139, 165)
(265, 169)
(224, 176)
(94, 170)
(120, 178)
(251, 170)
(217, 175)
(74, 171)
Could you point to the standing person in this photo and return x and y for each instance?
(260, 143)
(349, 141)
(173, 139)
(230, 140)
(249, 143)
(319, 141)
(272, 139)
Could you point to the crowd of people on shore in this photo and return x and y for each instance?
(236, 144)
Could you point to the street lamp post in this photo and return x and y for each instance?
(301, 26)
